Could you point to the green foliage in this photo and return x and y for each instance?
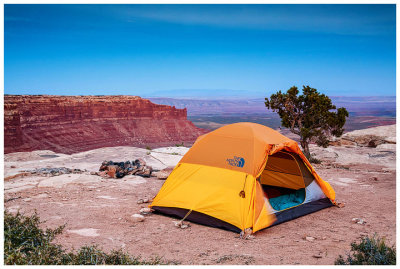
(26, 243)
(369, 251)
(92, 255)
(311, 115)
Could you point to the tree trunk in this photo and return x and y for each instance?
(306, 149)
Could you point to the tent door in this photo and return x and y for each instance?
(283, 182)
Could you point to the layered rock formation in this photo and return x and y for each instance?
(69, 124)
(372, 147)
(370, 137)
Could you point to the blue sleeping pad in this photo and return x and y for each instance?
(288, 200)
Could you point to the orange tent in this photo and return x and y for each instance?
(240, 176)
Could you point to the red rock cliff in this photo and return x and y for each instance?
(70, 124)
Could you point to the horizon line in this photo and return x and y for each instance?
(184, 97)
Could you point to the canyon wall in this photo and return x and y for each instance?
(70, 124)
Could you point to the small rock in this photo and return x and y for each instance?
(112, 171)
(309, 238)
(358, 221)
(249, 237)
(181, 225)
(246, 234)
(340, 205)
(375, 178)
(13, 166)
(144, 201)
(102, 173)
(145, 172)
(317, 256)
(137, 218)
(145, 211)
(324, 238)
(27, 199)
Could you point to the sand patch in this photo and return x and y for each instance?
(90, 232)
(172, 150)
(343, 181)
(24, 183)
(106, 197)
(62, 180)
(339, 183)
(13, 209)
(41, 196)
(133, 180)
(347, 180)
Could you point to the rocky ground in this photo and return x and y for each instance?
(99, 210)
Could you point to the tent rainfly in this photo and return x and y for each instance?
(240, 176)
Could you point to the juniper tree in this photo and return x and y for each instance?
(311, 115)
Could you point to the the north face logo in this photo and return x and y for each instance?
(236, 161)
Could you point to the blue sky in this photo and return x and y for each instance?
(173, 50)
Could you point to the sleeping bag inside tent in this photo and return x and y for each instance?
(243, 175)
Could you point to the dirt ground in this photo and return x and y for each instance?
(98, 211)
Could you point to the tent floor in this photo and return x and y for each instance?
(196, 217)
(281, 217)
(301, 210)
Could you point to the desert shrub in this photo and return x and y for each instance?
(148, 147)
(92, 255)
(26, 243)
(369, 251)
(179, 145)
